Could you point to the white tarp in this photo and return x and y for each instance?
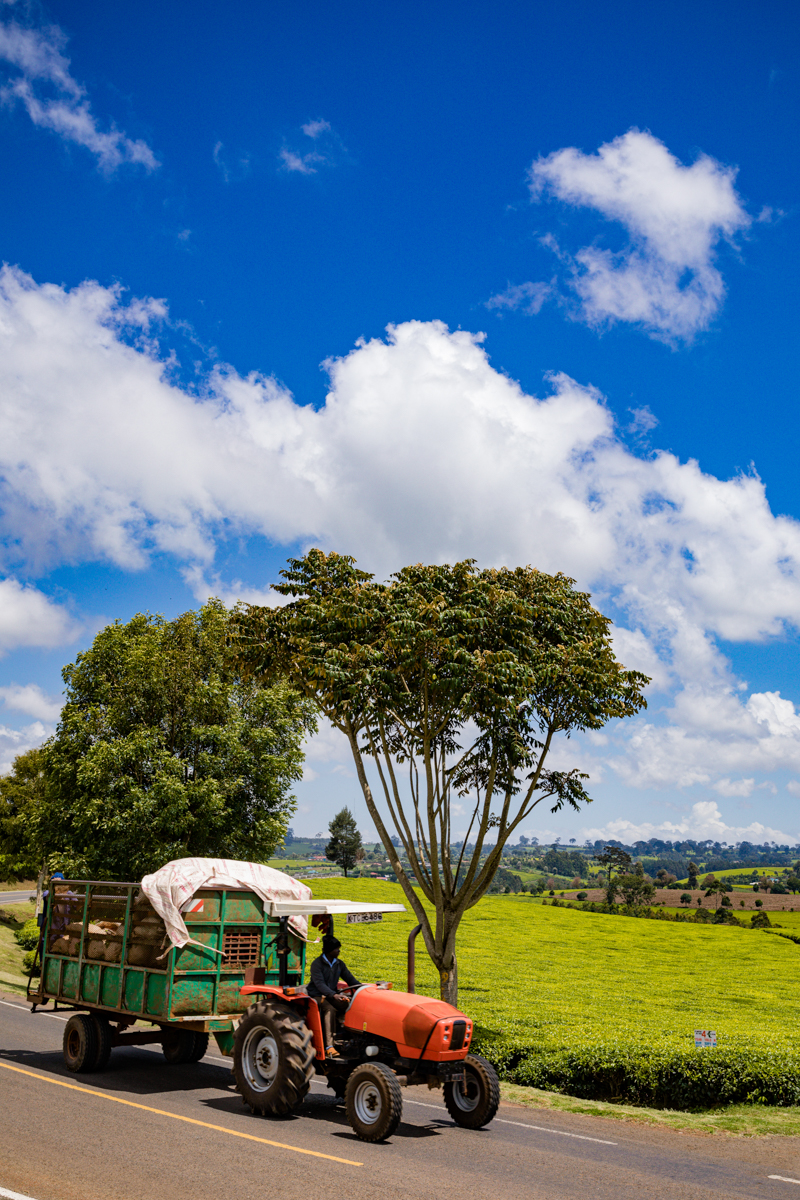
(171, 887)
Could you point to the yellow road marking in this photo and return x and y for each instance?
(161, 1112)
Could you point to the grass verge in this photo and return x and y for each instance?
(11, 973)
(738, 1120)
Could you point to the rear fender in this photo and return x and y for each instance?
(308, 1007)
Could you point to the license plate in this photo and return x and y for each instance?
(363, 918)
(456, 1077)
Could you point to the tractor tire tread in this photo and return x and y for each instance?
(486, 1110)
(297, 1060)
(390, 1119)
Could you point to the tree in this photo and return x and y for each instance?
(686, 898)
(635, 888)
(21, 793)
(163, 751)
(448, 682)
(715, 888)
(613, 856)
(345, 843)
(692, 881)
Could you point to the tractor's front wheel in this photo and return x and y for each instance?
(374, 1102)
(273, 1059)
(474, 1102)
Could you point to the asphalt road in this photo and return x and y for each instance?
(15, 897)
(143, 1130)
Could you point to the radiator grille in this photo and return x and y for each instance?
(459, 1033)
(241, 949)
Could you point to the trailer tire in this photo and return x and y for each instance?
(80, 1043)
(273, 1059)
(199, 1048)
(103, 1034)
(480, 1104)
(373, 1101)
(178, 1045)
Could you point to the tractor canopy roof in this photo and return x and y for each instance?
(328, 908)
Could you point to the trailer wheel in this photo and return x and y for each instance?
(273, 1059)
(199, 1048)
(80, 1043)
(475, 1102)
(103, 1034)
(178, 1045)
(374, 1102)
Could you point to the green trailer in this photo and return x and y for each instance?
(104, 950)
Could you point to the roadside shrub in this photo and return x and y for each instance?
(668, 1078)
(27, 963)
(28, 935)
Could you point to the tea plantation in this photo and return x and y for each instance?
(606, 1006)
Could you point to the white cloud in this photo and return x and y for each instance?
(705, 821)
(528, 296)
(665, 278)
(54, 100)
(17, 741)
(734, 787)
(30, 699)
(422, 451)
(326, 146)
(29, 618)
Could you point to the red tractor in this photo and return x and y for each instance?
(387, 1040)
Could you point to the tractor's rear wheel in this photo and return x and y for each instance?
(474, 1102)
(273, 1059)
(374, 1102)
(80, 1043)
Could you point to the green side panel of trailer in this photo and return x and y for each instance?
(127, 975)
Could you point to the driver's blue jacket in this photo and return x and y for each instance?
(325, 975)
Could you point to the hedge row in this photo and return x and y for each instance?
(677, 1079)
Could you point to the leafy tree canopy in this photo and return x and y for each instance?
(454, 682)
(344, 847)
(163, 751)
(21, 793)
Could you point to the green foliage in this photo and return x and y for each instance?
(686, 898)
(163, 751)
(635, 889)
(545, 998)
(409, 669)
(21, 793)
(28, 935)
(27, 962)
(676, 1079)
(344, 847)
(760, 920)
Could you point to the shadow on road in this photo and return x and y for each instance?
(131, 1071)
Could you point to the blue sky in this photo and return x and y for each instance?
(514, 282)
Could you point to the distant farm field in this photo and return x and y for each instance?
(545, 983)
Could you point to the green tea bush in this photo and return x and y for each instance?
(668, 1078)
(597, 1004)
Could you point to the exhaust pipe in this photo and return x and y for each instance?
(412, 958)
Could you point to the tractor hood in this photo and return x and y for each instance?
(414, 1023)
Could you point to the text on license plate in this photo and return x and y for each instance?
(363, 918)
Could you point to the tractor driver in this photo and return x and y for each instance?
(325, 973)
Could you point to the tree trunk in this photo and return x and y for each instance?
(448, 985)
